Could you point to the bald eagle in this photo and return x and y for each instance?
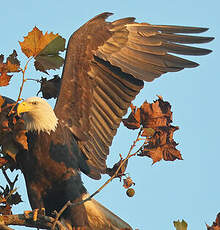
(105, 68)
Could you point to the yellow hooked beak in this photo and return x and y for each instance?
(23, 107)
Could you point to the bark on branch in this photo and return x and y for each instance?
(42, 222)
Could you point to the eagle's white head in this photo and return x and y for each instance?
(38, 115)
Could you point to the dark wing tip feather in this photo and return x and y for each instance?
(185, 50)
(180, 29)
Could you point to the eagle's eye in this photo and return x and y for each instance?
(34, 103)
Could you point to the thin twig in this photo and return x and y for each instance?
(11, 184)
(31, 79)
(58, 214)
(22, 85)
(42, 222)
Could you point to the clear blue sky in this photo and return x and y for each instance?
(167, 191)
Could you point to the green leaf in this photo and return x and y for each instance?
(44, 63)
(180, 225)
(54, 47)
(49, 57)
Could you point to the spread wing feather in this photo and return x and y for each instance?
(105, 66)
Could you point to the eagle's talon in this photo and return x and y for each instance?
(35, 213)
(42, 212)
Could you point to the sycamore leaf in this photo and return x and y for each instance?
(43, 63)
(128, 182)
(215, 225)
(121, 172)
(35, 42)
(12, 58)
(155, 120)
(12, 65)
(156, 154)
(50, 88)
(148, 132)
(54, 47)
(44, 48)
(180, 225)
(14, 199)
(133, 120)
(4, 79)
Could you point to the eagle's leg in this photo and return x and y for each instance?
(36, 201)
(35, 196)
(62, 191)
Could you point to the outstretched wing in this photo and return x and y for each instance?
(105, 68)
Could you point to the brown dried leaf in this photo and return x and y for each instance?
(155, 120)
(148, 132)
(170, 153)
(156, 154)
(50, 88)
(155, 114)
(133, 120)
(14, 199)
(216, 224)
(12, 58)
(4, 78)
(5, 209)
(128, 182)
(112, 171)
(12, 65)
(3, 161)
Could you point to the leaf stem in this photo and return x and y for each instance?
(22, 85)
(31, 79)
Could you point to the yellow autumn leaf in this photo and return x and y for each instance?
(36, 41)
(180, 225)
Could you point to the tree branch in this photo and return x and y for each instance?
(43, 222)
(4, 227)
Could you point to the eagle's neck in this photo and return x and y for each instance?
(41, 121)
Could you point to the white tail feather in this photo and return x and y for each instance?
(100, 218)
